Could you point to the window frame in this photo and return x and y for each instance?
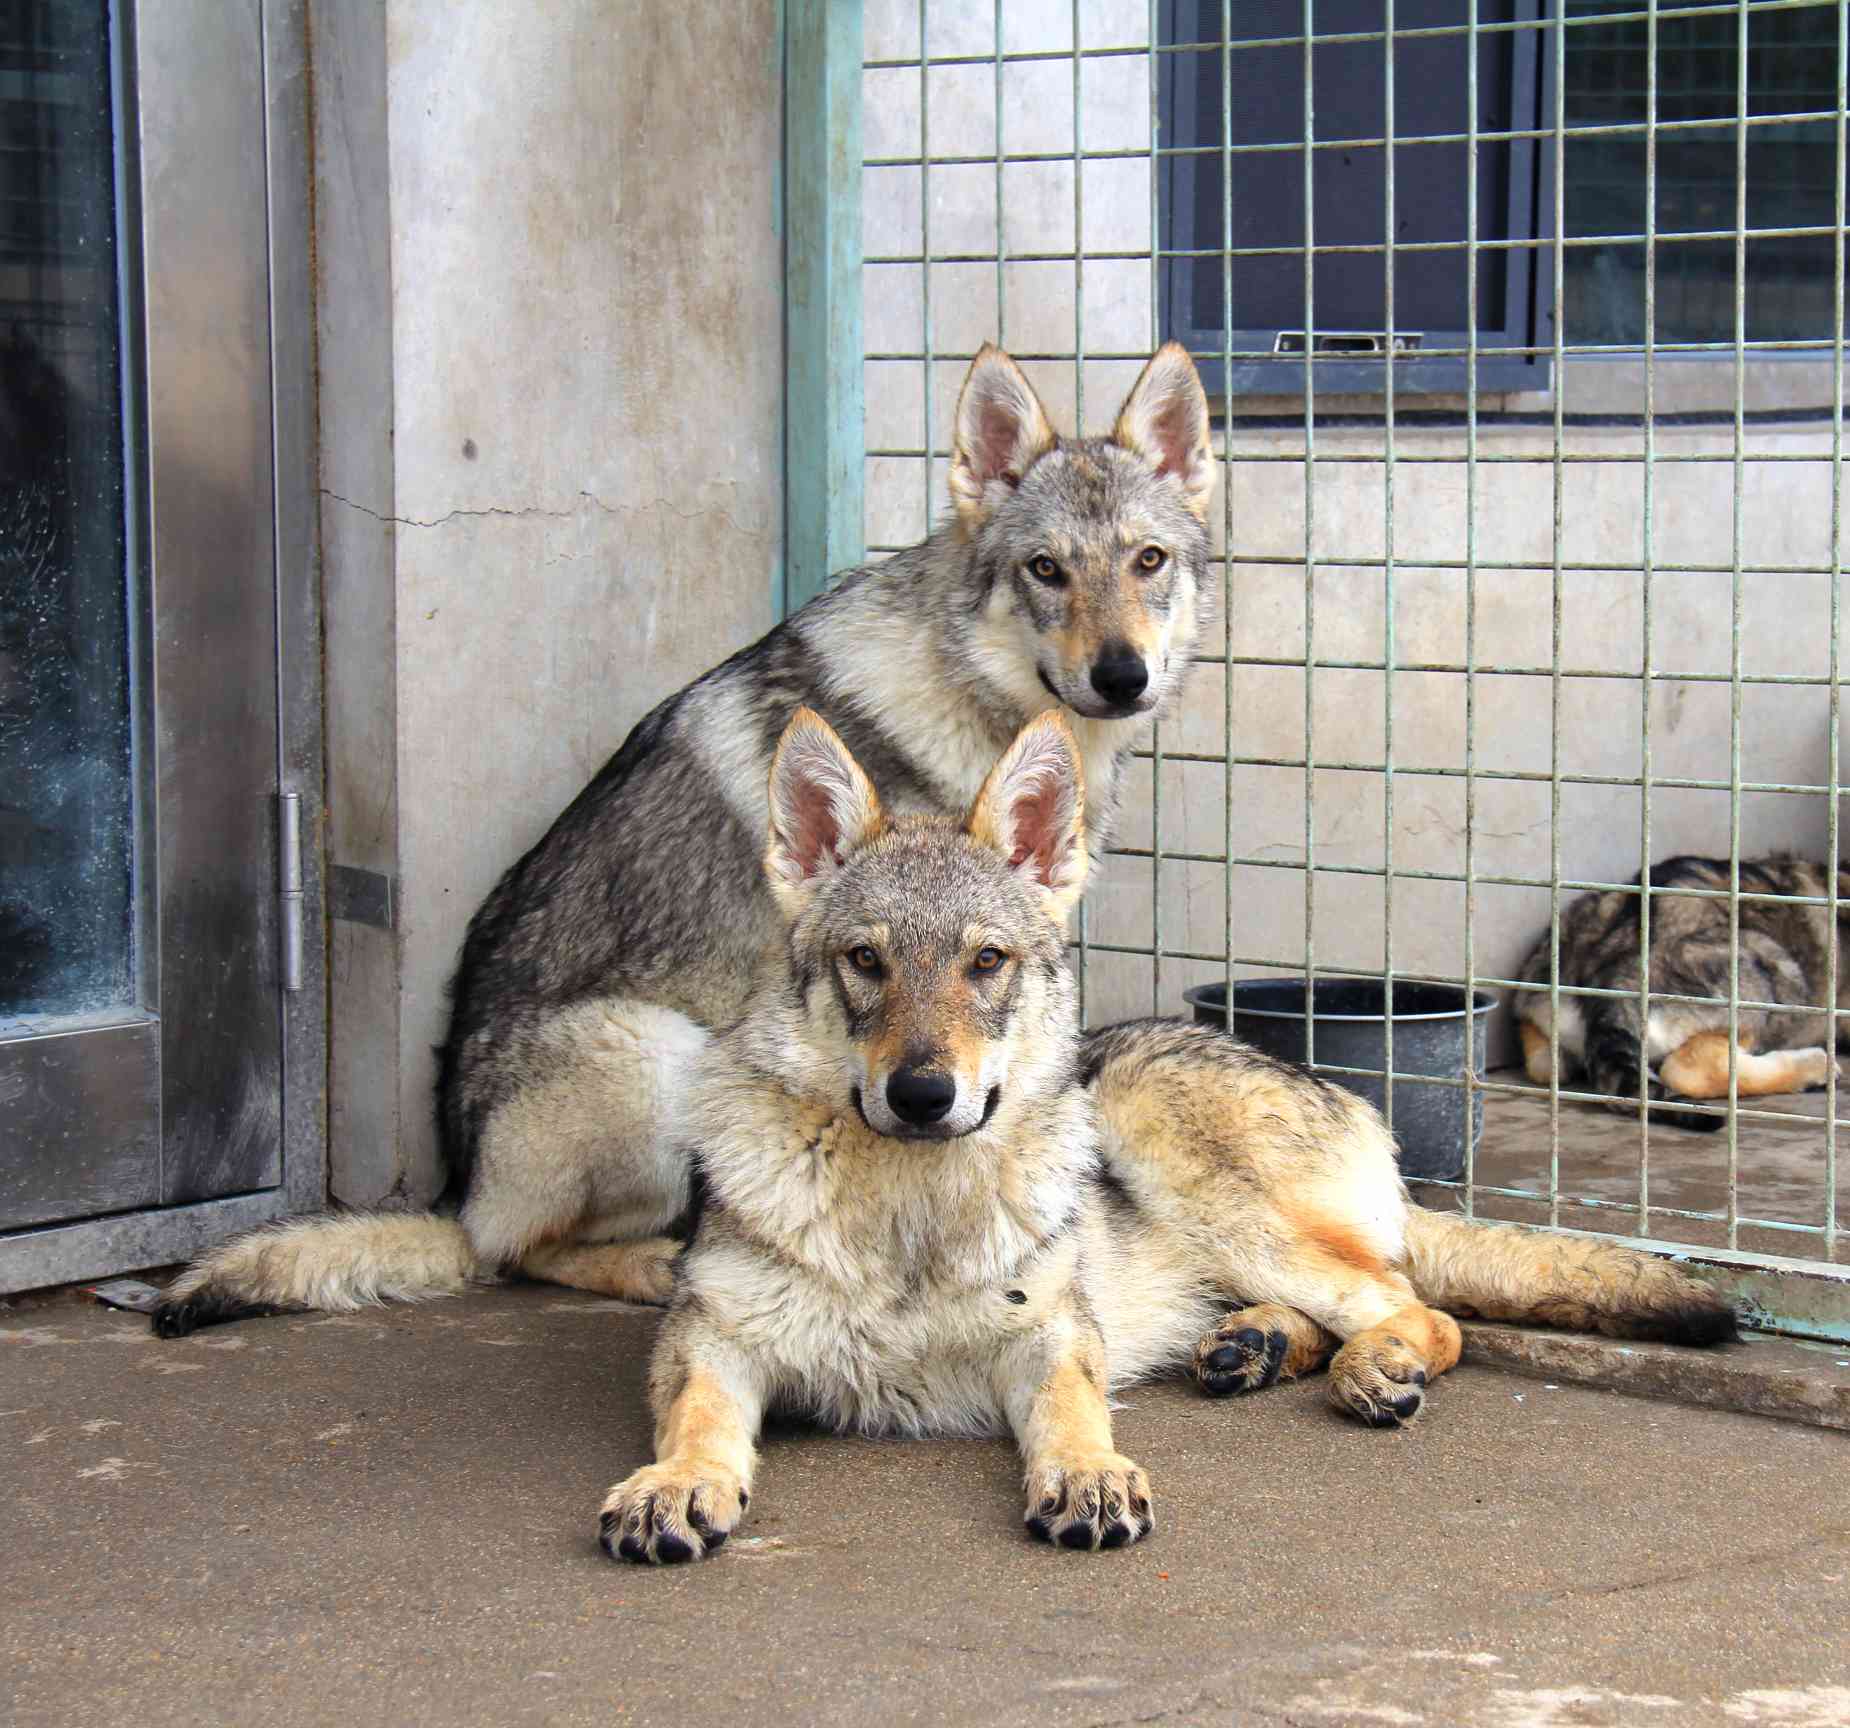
(1527, 322)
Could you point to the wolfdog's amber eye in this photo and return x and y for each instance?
(1045, 569)
(864, 959)
(988, 959)
(1152, 558)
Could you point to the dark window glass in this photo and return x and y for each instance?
(1791, 167)
(1348, 187)
(66, 780)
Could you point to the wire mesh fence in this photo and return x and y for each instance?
(1525, 323)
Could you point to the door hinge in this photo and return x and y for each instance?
(289, 887)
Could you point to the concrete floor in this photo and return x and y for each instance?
(1780, 1171)
(389, 1518)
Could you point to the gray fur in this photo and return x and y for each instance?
(648, 884)
(1785, 958)
(640, 923)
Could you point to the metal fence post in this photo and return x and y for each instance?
(824, 407)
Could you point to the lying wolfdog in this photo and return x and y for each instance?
(1785, 955)
(929, 1206)
(1073, 573)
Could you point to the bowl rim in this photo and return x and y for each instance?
(1214, 997)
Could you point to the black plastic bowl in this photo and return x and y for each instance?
(1351, 1026)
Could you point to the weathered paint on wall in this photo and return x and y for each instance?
(585, 497)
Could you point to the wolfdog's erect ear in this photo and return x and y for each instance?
(1001, 431)
(822, 808)
(1165, 420)
(1032, 810)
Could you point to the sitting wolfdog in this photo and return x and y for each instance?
(929, 1206)
(1785, 955)
(1073, 573)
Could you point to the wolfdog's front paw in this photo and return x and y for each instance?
(1234, 1359)
(1101, 1502)
(671, 1512)
(1379, 1378)
(1255, 1347)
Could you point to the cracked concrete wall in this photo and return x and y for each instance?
(579, 505)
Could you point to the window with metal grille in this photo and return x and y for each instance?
(1235, 264)
(1249, 247)
(1789, 155)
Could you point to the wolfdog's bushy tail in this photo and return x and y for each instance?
(338, 1264)
(1500, 1272)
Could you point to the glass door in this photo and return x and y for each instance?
(141, 954)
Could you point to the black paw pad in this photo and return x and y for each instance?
(1039, 1528)
(1116, 1535)
(174, 1320)
(671, 1550)
(1247, 1362)
(1076, 1536)
(205, 1308)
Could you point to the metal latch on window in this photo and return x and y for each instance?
(1360, 344)
(289, 888)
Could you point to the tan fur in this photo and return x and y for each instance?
(632, 1271)
(341, 1264)
(1370, 1375)
(984, 1277)
(702, 1486)
(1338, 1239)
(1578, 1283)
(1698, 1068)
(1292, 1183)
(571, 1027)
(1537, 1056)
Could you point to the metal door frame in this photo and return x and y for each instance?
(58, 1253)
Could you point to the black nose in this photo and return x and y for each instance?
(1120, 676)
(920, 1097)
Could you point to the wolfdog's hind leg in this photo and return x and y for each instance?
(634, 1271)
(580, 1170)
(1379, 1377)
(1393, 1343)
(1254, 1347)
(1698, 1068)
